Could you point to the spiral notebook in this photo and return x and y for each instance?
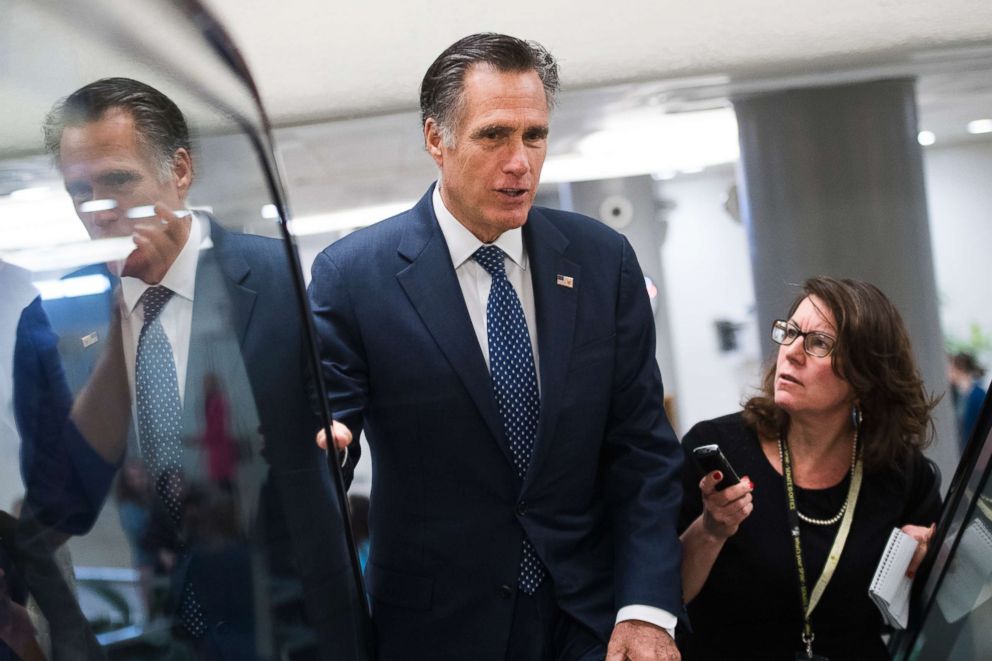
(890, 586)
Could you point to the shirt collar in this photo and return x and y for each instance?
(181, 276)
(462, 244)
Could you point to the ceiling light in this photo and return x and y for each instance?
(644, 141)
(347, 219)
(980, 126)
(83, 285)
(926, 138)
(92, 206)
(145, 211)
(47, 258)
(52, 220)
(270, 212)
(31, 193)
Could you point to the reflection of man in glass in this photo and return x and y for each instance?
(125, 154)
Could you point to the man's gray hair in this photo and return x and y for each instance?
(160, 126)
(444, 82)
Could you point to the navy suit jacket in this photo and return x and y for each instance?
(448, 511)
(247, 327)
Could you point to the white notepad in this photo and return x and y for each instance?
(890, 586)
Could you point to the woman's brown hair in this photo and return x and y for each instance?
(874, 355)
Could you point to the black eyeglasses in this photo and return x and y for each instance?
(815, 343)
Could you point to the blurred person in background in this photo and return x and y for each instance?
(837, 430)
(965, 375)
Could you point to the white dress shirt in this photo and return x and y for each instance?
(176, 316)
(475, 283)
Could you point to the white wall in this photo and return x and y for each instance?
(708, 273)
(959, 192)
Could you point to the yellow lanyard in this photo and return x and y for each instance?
(809, 603)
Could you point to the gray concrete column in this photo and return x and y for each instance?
(832, 184)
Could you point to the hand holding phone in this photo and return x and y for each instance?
(710, 458)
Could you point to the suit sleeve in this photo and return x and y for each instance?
(66, 481)
(342, 355)
(644, 458)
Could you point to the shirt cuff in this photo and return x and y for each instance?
(649, 614)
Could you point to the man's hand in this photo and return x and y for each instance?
(634, 640)
(159, 238)
(342, 436)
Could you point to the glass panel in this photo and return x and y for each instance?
(162, 494)
(956, 621)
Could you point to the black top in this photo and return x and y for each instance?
(749, 607)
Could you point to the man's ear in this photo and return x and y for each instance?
(433, 140)
(182, 171)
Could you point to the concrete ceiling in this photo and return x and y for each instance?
(340, 83)
(315, 60)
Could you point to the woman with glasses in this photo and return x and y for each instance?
(778, 566)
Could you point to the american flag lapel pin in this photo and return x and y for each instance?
(89, 340)
(564, 281)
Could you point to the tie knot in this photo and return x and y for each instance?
(154, 299)
(491, 259)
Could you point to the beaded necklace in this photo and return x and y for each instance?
(843, 508)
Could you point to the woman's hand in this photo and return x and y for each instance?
(702, 541)
(723, 511)
(922, 536)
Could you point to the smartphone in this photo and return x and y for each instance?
(709, 458)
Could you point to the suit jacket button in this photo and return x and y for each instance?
(521, 508)
(505, 591)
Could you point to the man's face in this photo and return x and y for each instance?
(490, 174)
(103, 161)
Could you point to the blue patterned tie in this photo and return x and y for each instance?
(159, 407)
(160, 426)
(511, 366)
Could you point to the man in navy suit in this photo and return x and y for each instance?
(500, 359)
(229, 312)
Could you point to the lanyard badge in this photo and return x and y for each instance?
(808, 601)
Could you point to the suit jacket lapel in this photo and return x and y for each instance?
(556, 307)
(223, 305)
(432, 287)
(237, 273)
